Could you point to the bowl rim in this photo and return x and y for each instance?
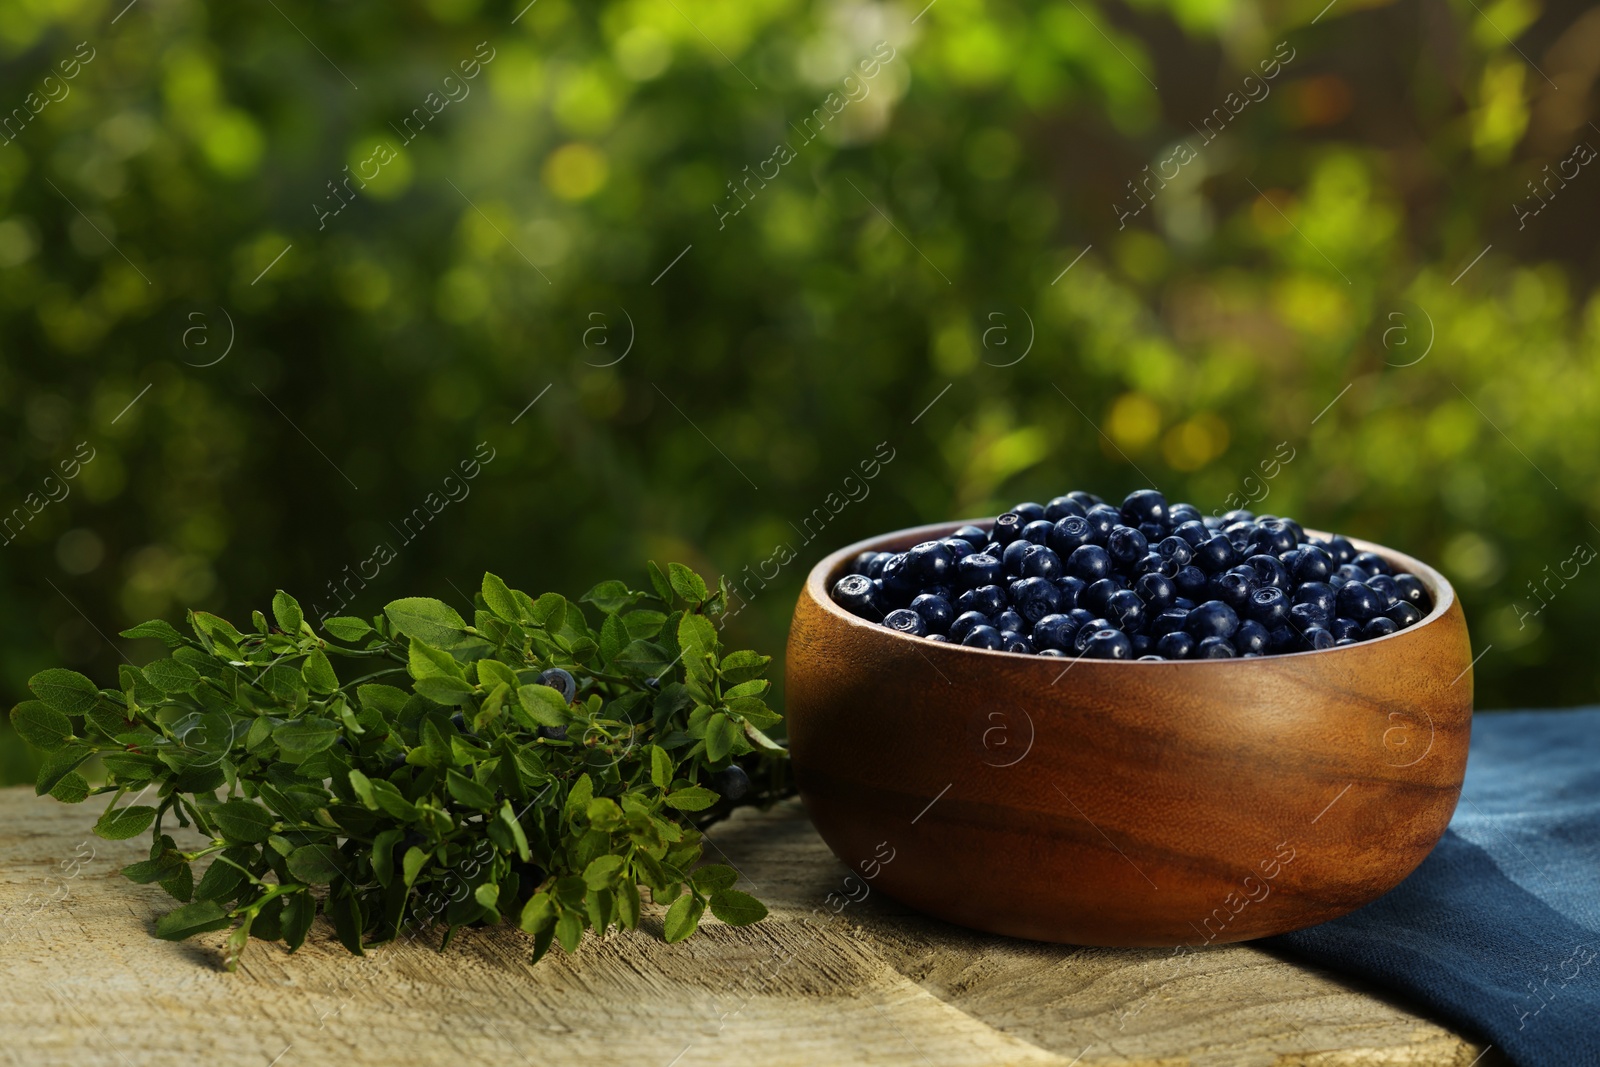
(817, 588)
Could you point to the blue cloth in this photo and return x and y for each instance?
(1498, 931)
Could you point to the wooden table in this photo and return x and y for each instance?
(83, 982)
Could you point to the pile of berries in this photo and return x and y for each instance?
(1078, 577)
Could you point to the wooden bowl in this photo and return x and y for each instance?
(1123, 802)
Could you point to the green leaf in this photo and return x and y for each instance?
(683, 917)
(721, 733)
(411, 866)
(736, 908)
(159, 869)
(451, 692)
(393, 802)
(170, 676)
(539, 913)
(361, 785)
(687, 584)
(712, 877)
(508, 818)
(578, 797)
(433, 622)
(604, 872)
(242, 820)
(58, 764)
(318, 673)
(609, 596)
(698, 640)
(316, 864)
(500, 599)
(425, 661)
(544, 705)
(298, 912)
(71, 789)
(197, 918)
(692, 798)
(66, 691)
(301, 738)
(628, 906)
(41, 725)
(659, 583)
(286, 610)
(119, 824)
(386, 700)
(468, 792)
(613, 637)
(347, 627)
(156, 628)
(743, 665)
(661, 767)
(221, 882)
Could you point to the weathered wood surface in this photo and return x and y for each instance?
(83, 982)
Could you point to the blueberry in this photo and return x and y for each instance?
(1387, 591)
(875, 567)
(1303, 617)
(983, 637)
(1034, 598)
(1009, 619)
(1320, 594)
(1038, 531)
(1314, 565)
(1054, 631)
(1214, 648)
(1169, 622)
(1180, 514)
(1097, 597)
(899, 583)
(907, 622)
(1156, 590)
(1193, 532)
(1352, 573)
(1053, 653)
(1372, 563)
(1071, 589)
(1041, 562)
(1175, 645)
(1381, 626)
(1142, 646)
(1029, 511)
(1237, 516)
(1213, 619)
(965, 623)
(1268, 570)
(1241, 535)
(936, 611)
(1153, 531)
(1061, 507)
(862, 561)
(1126, 610)
(561, 681)
(1344, 629)
(941, 638)
(1404, 614)
(1085, 500)
(1012, 641)
(959, 549)
(1175, 548)
(1088, 630)
(1358, 602)
(1230, 587)
(553, 733)
(1183, 603)
(1316, 639)
(1008, 527)
(1289, 560)
(1108, 644)
(1091, 563)
(652, 683)
(1125, 544)
(732, 782)
(978, 569)
(1144, 505)
(1155, 563)
(976, 536)
(993, 548)
(1102, 519)
(1269, 607)
(1215, 554)
(989, 599)
(1190, 582)
(1011, 558)
(1411, 590)
(1274, 537)
(1068, 534)
(856, 594)
(1251, 636)
(458, 720)
(928, 563)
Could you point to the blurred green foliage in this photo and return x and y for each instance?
(574, 199)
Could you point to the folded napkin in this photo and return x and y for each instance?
(1498, 931)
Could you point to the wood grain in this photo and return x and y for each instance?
(83, 983)
(1125, 803)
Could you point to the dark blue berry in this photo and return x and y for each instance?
(959, 548)
(937, 612)
(1404, 614)
(1126, 610)
(1102, 519)
(875, 567)
(1008, 527)
(1313, 565)
(1274, 537)
(1156, 590)
(1176, 548)
(1091, 563)
(553, 733)
(1108, 644)
(1183, 603)
(1175, 645)
(1054, 631)
(732, 782)
(1011, 558)
(1053, 653)
(1144, 505)
(1268, 570)
(983, 637)
(1155, 563)
(1384, 586)
(928, 563)
(1190, 582)
(1316, 639)
(1303, 617)
(1087, 500)
(1034, 598)
(1269, 607)
(1169, 621)
(1071, 589)
(1344, 629)
(1029, 511)
(1232, 518)
(1358, 602)
(965, 623)
(1125, 544)
(1009, 619)
(989, 599)
(978, 569)
(1412, 591)
(1349, 572)
(1213, 619)
(1041, 562)
(1069, 533)
(1061, 507)
(1230, 587)
(1382, 626)
(1098, 595)
(1251, 636)
(976, 536)
(1012, 641)
(561, 681)
(1088, 630)
(1195, 533)
(1142, 646)
(1179, 514)
(1320, 594)
(1372, 563)
(1214, 648)
(862, 561)
(1038, 531)
(941, 638)
(899, 583)
(907, 622)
